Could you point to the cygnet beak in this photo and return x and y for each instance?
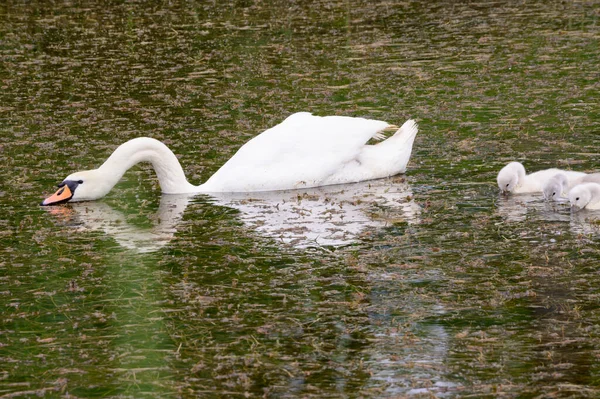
(575, 208)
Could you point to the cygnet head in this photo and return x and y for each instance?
(580, 196)
(508, 177)
(553, 188)
(80, 186)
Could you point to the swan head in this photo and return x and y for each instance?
(508, 177)
(87, 185)
(579, 197)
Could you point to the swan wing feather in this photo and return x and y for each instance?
(301, 151)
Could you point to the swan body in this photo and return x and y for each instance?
(585, 195)
(513, 179)
(558, 186)
(301, 152)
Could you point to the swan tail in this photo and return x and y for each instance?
(402, 139)
(379, 136)
(385, 133)
(391, 155)
(407, 132)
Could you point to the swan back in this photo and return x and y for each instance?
(302, 151)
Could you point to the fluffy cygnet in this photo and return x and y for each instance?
(585, 195)
(559, 185)
(512, 178)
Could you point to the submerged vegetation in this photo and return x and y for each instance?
(429, 284)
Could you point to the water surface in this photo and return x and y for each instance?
(429, 284)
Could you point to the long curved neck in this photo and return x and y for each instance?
(143, 149)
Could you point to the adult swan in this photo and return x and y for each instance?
(302, 151)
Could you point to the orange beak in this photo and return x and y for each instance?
(62, 195)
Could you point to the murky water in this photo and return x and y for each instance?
(424, 284)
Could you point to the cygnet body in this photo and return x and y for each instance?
(513, 179)
(559, 185)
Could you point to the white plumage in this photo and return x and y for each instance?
(302, 151)
(311, 151)
(512, 178)
(585, 195)
(558, 186)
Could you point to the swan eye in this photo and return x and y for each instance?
(577, 199)
(553, 194)
(508, 184)
(80, 182)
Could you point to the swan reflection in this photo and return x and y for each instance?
(101, 216)
(330, 215)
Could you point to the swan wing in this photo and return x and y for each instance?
(302, 151)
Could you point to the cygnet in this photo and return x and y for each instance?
(559, 185)
(585, 196)
(512, 178)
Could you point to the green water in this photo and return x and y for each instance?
(431, 285)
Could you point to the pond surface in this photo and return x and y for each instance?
(427, 284)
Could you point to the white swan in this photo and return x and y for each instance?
(512, 178)
(586, 195)
(302, 151)
(558, 186)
